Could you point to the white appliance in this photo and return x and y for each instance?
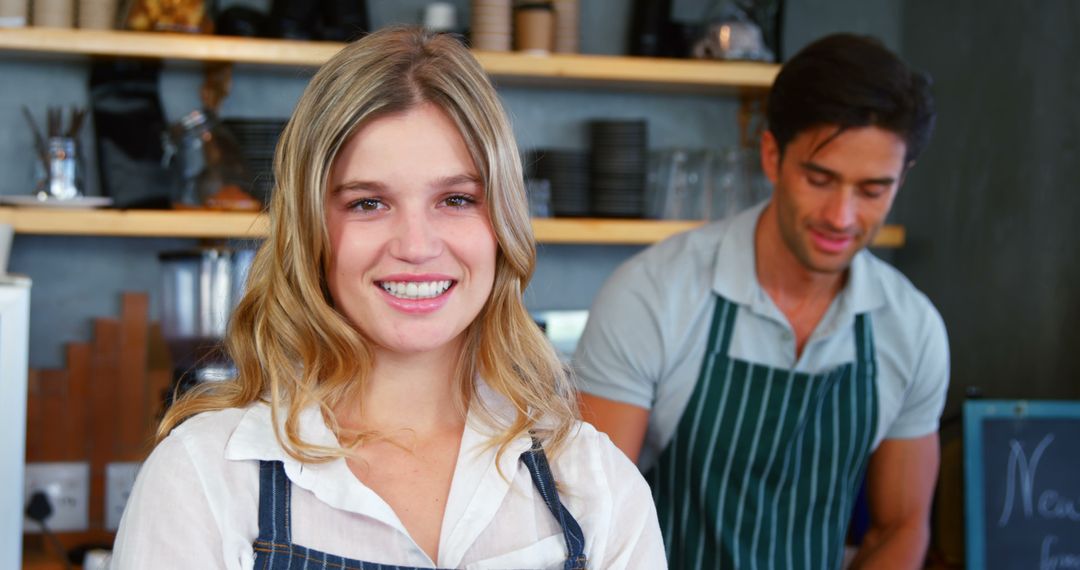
(14, 342)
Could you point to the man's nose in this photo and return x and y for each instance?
(840, 209)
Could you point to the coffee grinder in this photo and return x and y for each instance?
(200, 288)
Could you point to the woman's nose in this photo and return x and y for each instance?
(416, 237)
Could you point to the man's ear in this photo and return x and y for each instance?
(770, 157)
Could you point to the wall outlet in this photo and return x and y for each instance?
(119, 479)
(67, 485)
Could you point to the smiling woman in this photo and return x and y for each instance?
(395, 404)
(400, 229)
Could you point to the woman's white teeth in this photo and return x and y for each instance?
(415, 289)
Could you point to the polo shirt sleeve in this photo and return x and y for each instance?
(620, 354)
(921, 408)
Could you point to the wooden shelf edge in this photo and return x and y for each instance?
(205, 224)
(573, 69)
(135, 223)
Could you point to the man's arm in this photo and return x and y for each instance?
(900, 487)
(625, 424)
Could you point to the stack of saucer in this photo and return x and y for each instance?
(491, 25)
(619, 166)
(568, 173)
(566, 26)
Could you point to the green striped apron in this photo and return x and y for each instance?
(765, 464)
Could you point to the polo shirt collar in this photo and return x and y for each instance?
(735, 274)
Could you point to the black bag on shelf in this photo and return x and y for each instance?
(128, 124)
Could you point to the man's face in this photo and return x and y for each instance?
(831, 198)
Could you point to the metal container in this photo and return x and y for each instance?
(200, 288)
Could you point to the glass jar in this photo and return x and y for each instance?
(205, 163)
(61, 178)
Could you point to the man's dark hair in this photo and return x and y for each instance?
(851, 81)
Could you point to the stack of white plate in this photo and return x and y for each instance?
(54, 13)
(97, 14)
(566, 26)
(491, 25)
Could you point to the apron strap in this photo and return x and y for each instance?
(864, 345)
(275, 501)
(724, 315)
(536, 461)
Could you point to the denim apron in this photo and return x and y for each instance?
(274, 549)
(766, 462)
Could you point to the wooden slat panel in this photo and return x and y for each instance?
(55, 427)
(78, 409)
(103, 362)
(131, 394)
(35, 405)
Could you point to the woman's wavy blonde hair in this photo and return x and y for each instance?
(292, 348)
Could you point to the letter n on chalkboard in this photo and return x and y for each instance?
(1022, 484)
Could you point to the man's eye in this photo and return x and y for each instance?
(874, 190)
(818, 179)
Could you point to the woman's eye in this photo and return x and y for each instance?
(459, 201)
(366, 204)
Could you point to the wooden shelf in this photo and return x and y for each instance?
(203, 224)
(508, 67)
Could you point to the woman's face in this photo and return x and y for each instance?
(412, 249)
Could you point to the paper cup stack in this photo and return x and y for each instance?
(491, 25)
(566, 26)
(54, 13)
(97, 14)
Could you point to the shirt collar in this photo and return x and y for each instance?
(735, 274)
(478, 486)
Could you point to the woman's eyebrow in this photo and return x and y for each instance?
(359, 186)
(456, 180)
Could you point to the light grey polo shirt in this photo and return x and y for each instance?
(647, 330)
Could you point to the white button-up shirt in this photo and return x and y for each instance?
(195, 502)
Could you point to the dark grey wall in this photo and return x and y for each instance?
(991, 209)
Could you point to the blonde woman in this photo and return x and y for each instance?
(395, 405)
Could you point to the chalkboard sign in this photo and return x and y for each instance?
(1022, 484)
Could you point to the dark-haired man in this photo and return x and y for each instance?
(758, 367)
